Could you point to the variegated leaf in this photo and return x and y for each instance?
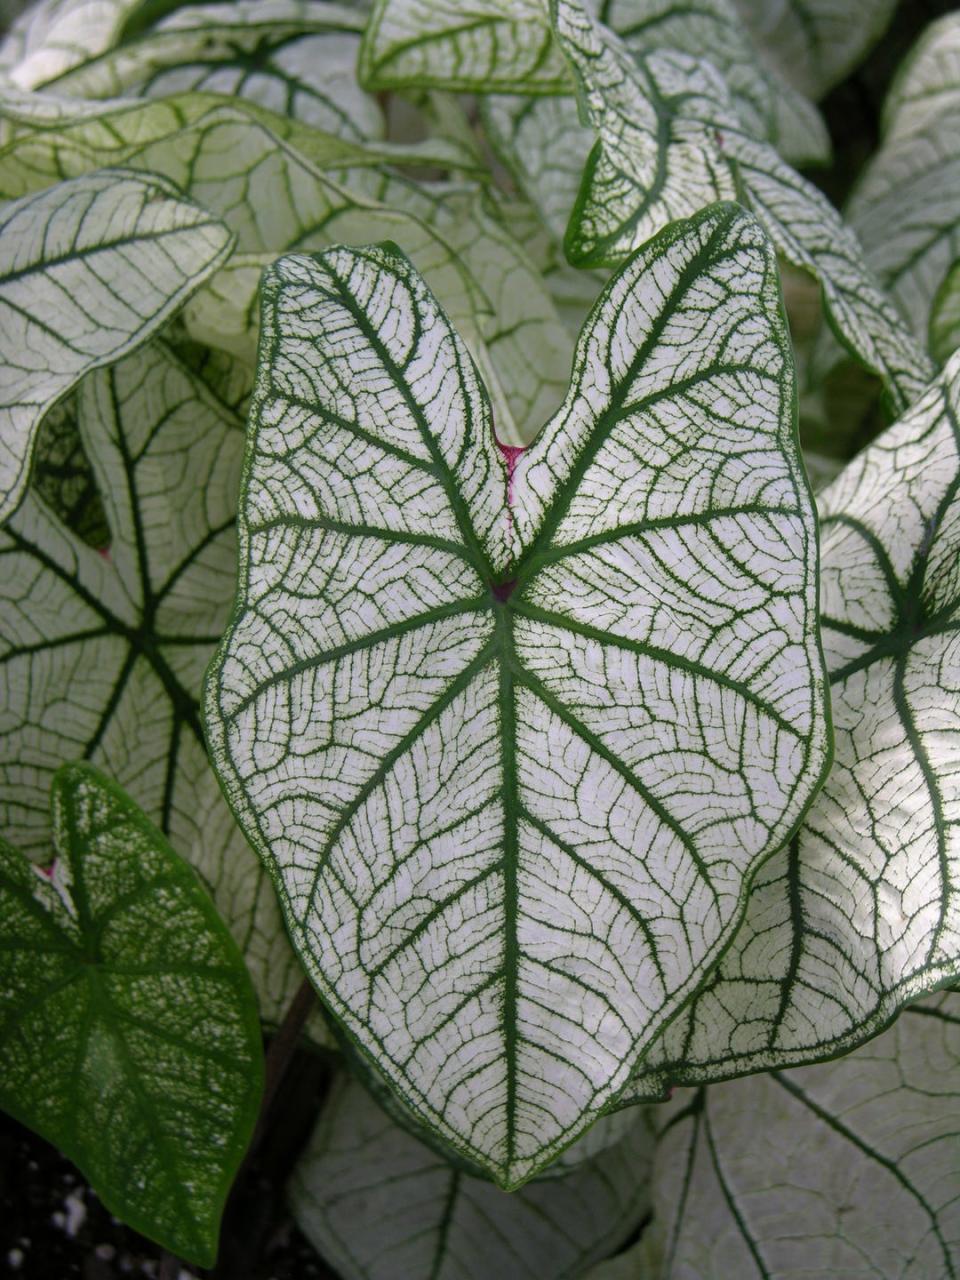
(495, 47)
(101, 656)
(861, 912)
(669, 142)
(906, 206)
(767, 104)
(128, 1026)
(52, 36)
(295, 57)
(815, 43)
(88, 271)
(483, 45)
(845, 1169)
(511, 765)
(545, 147)
(379, 1205)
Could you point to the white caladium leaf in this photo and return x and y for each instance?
(485, 46)
(101, 657)
(52, 137)
(88, 271)
(521, 346)
(378, 1204)
(904, 208)
(815, 43)
(573, 290)
(844, 1169)
(860, 913)
(295, 57)
(495, 47)
(768, 106)
(669, 142)
(49, 38)
(128, 1027)
(546, 148)
(471, 706)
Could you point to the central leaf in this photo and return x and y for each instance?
(513, 728)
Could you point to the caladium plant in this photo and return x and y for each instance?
(403, 502)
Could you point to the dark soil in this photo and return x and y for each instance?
(53, 1227)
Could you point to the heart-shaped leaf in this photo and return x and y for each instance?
(861, 912)
(128, 1026)
(669, 142)
(101, 657)
(378, 1204)
(88, 271)
(512, 733)
(845, 1169)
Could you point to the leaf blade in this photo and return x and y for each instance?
(354, 479)
(140, 1056)
(58, 272)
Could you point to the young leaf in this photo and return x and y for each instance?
(845, 1169)
(101, 657)
(669, 142)
(295, 57)
(481, 46)
(860, 913)
(128, 1027)
(378, 1204)
(904, 208)
(469, 711)
(815, 43)
(88, 271)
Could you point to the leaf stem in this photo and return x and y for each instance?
(281, 1051)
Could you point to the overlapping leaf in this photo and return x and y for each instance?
(905, 207)
(495, 47)
(483, 45)
(52, 36)
(512, 732)
(378, 1204)
(128, 1027)
(545, 147)
(101, 657)
(861, 912)
(767, 104)
(296, 57)
(815, 43)
(88, 271)
(668, 142)
(482, 277)
(844, 1169)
